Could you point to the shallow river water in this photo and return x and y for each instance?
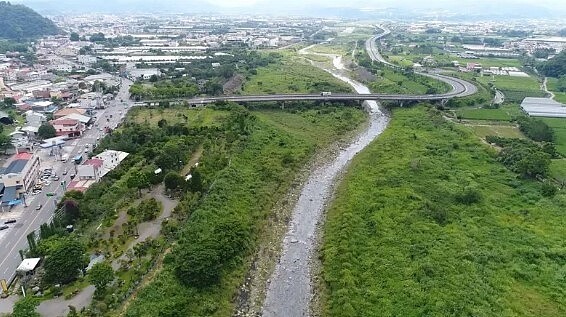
(289, 290)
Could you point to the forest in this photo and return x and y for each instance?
(20, 22)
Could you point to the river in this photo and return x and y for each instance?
(290, 288)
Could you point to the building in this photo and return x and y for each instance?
(543, 107)
(91, 171)
(44, 107)
(68, 127)
(144, 73)
(18, 177)
(67, 111)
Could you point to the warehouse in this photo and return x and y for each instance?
(543, 107)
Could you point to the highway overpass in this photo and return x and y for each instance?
(460, 88)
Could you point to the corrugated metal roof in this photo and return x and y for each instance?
(16, 166)
(9, 194)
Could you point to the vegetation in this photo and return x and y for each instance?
(536, 129)
(292, 75)
(25, 307)
(65, 258)
(558, 127)
(46, 131)
(20, 22)
(554, 67)
(100, 275)
(245, 171)
(444, 230)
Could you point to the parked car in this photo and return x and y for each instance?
(4, 227)
(65, 172)
(10, 221)
(38, 207)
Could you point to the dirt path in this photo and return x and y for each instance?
(60, 307)
(150, 229)
(545, 88)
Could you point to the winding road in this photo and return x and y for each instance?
(290, 288)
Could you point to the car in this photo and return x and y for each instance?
(65, 172)
(56, 178)
(72, 176)
(50, 194)
(38, 207)
(4, 227)
(10, 221)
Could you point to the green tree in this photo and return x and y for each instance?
(74, 37)
(25, 307)
(64, 262)
(174, 181)
(100, 275)
(138, 180)
(46, 131)
(9, 101)
(5, 142)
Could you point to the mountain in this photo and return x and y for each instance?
(51, 7)
(20, 22)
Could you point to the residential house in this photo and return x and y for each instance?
(68, 127)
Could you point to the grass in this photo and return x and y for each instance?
(293, 75)
(259, 174)
(558, 125)
(552, 86)
(397, 83)
(506, 112)
(512, 83)
(200, 117)
(407, 60)
(497, 130)
(443, 230)
(558, 169)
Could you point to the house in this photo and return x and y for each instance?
(67, 111)
(18, 177)
(68, 127)
(44, 107)
(35, 119)
(110, 160)
(90, 170)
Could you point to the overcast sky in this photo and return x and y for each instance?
(377, 3)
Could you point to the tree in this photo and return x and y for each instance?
(195, 183)
(72, 211)
(46, 131)
(25, 307)
(9, 101)
(153, 78)
(5, 142)
(100, 275)
(173, 181)
(65, 260)
(138, 180)
(74, 37)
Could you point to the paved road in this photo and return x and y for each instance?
(460, 87)
(14, 238)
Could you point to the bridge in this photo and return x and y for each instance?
(459, 88)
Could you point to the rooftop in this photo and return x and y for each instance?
(543, 107)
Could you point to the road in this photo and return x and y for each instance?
(29, 220)
(460, 88)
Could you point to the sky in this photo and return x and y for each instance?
(377, 3)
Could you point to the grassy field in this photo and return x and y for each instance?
(244, 193)
(512, 83)
(293, 75)
(198, 117)
(443, 59)
(559, 127)
(443, 230)
(506, 112)
(503, 131)
(551, 85)
(558, 169)
(397, 83)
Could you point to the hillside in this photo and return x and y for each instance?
(21, 22)
(554, 67)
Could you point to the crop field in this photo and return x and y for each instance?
(558, 125)
(506, 112)
(443, 230)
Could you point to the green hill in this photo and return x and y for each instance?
(20, 22)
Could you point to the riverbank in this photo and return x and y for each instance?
(290, 288)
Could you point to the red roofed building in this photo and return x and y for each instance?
(68, 127)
